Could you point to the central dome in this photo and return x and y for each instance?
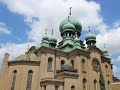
(73, 21)
(68, 26)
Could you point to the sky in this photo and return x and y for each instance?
(23, 23)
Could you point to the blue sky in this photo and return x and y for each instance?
(23, 23)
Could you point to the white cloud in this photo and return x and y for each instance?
(111, 38)
(50, 13)
(14, 49)
(116, 71)
(117, 59)
(4, 29)
(116, 24)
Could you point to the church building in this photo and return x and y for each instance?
(66, 65)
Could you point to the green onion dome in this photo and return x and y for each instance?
(68, 26)
(45, 37)
(105, 51)
(73, 21)
(52, 39)
(90, 36)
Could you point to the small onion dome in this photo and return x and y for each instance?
(90, 36)
(68, 26)
(45, 37)
(67, 67)
(73, 21)
(105, 53)
(52, 39)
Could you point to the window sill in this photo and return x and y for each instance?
(49, 70)
(83, 71)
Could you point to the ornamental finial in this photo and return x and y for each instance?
(70, 11)
(46, 31)
(52, 31)
(68, 18)
(89, 28)
(104, 45)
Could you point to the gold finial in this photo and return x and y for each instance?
(89, 28)
(70, 11)
(52, 31)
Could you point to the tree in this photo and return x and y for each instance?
(102, 81)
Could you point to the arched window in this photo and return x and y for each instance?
(56, 87)
(84, 84)
(62, 63)
(106, 68)
(13, 79)
(108, 85)
(72, 63)
(29, 80)
(72, 87)
(83, 64)
(50, 63)
(44, 87)
(95, 84)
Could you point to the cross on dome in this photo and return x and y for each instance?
(52, 31)
(89, 28)
(70, 11)
(46, 31)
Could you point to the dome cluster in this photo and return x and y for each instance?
(70, 29)
(49, 41)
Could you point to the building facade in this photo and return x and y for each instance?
(66, 66)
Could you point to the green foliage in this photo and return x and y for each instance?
(102, 81)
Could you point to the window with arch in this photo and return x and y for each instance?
(50, 63)
(72, 63)
(44, 87)
(13, 79)
(62, 63)
(29, 80)
(106, 68)
(72, 87)
(108, 85)
(84, 84)
(83, 64)
(95, 84)
(56, 87)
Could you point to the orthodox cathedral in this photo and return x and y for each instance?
(68, 65)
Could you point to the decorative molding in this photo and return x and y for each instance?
(23, 62)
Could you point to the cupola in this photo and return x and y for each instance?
(105, 52)
(90, 39)
(45, 40)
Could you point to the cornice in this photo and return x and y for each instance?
(59, 52)
(24, 62)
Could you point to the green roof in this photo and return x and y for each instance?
(90, 36)
(73, 21)
(68, 26)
